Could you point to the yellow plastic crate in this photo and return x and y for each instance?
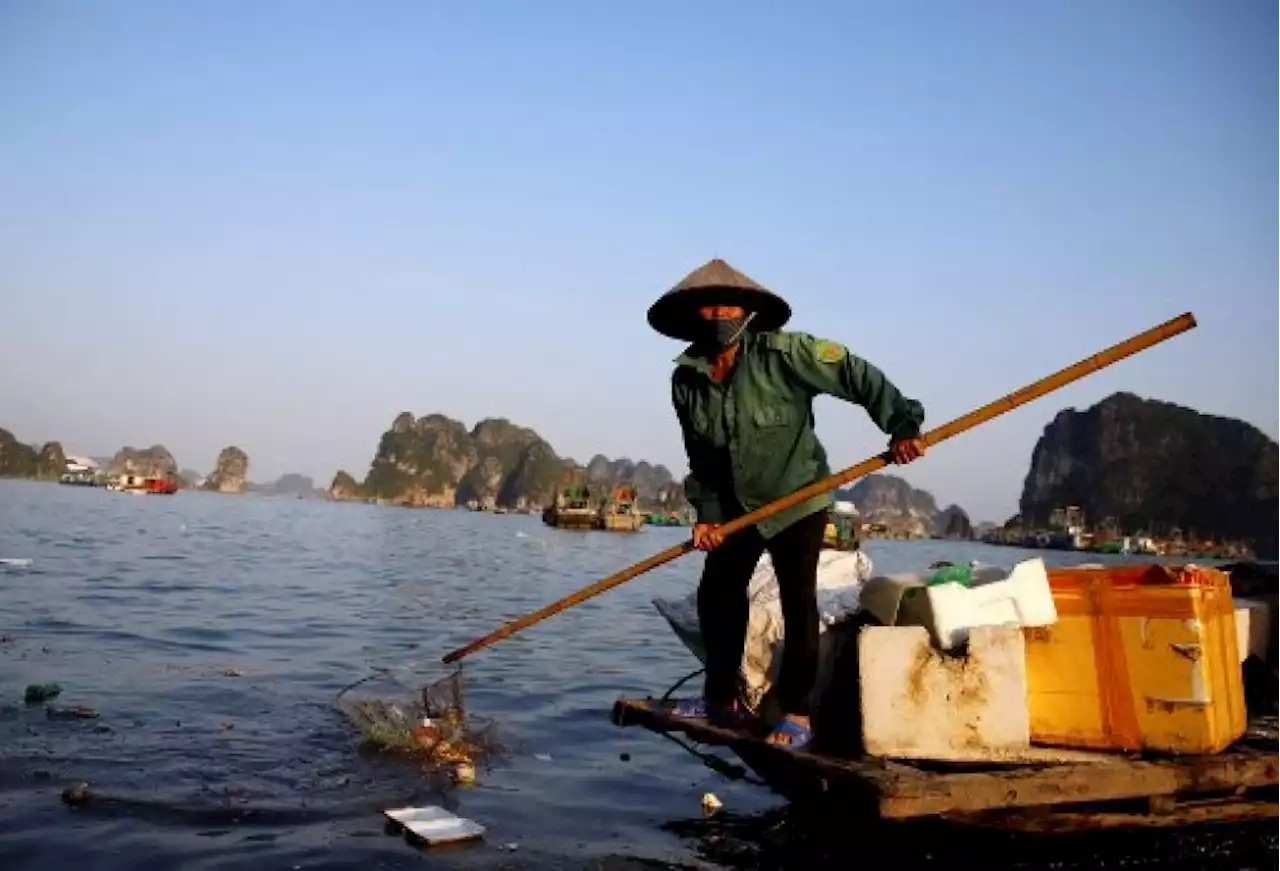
(1142, 658)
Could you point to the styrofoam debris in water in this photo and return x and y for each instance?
(16, 562)
(435, 825)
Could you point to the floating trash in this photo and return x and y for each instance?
(76, 794)
(433, 728)
(435, 825)
(15, 562)
(77, 712)
(41, 692)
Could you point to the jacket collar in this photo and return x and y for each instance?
(693, 359)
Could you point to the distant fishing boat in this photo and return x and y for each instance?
(145, 485)
(841, 532)
(572, 509)
(671, 518)
(80, 472)
(622, 513)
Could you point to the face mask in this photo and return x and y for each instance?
(723, 333)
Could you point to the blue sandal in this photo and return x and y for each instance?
(797, 736)
(698, 709)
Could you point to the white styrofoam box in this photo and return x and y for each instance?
(920, 703)
(1253, 627)
(435, 825)
(949, 611)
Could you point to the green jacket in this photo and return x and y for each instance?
(750, 440)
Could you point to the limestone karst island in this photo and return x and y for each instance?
(1128, 475)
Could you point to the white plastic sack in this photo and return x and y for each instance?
(840, 576)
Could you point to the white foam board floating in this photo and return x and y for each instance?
(435, 825)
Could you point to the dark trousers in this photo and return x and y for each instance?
(723, 609)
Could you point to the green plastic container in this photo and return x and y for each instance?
(962, 575)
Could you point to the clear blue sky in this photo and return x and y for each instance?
(278, 225)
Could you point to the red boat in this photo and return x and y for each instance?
(164, 486)
(159, 485)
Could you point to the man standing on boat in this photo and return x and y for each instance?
(743, 392)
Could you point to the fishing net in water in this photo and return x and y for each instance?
(430, 724)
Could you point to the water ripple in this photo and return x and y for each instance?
(211, 633)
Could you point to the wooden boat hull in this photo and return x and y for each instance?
(1042, 789)
(577, 520)
(623, 522)
(1084, 790)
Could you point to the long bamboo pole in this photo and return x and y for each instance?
(1031, 392)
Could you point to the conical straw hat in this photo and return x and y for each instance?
(675, 314)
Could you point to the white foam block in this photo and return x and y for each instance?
(1023, 598)
(1253, 627)
(918, 703)
(435, 825)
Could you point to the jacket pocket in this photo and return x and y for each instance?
(770, 417)
(767, 446)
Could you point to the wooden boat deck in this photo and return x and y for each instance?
(1042, 779)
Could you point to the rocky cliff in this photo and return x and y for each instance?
(533, 478)
(512, 463)
(146, 462)
(289, 484)
(436, 461)
(953, 522)
(229, 473)
(345, 488)
(1152, 466)
(419, 462)
(889, 501)
(655, 485)
(18, 460)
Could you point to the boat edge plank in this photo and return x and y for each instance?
(906, 790)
